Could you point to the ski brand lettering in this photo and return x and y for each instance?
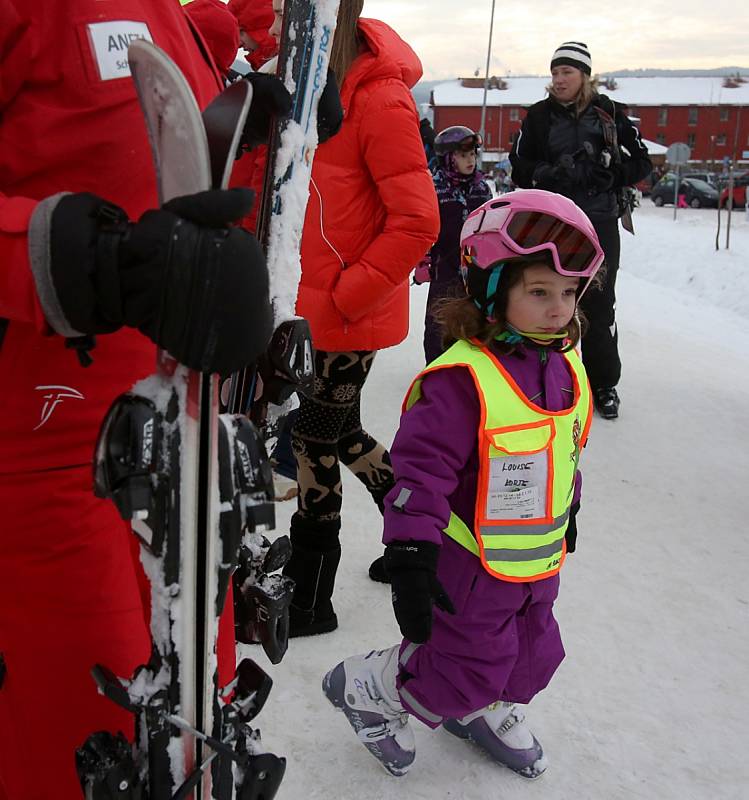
(147, 442)
(53, 397)
(244, 457)
(321, 59)
(309, 368)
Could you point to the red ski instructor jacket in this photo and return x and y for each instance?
(70, 121)
(69, 590)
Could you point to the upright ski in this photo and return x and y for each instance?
(306, 39)
(193, 486)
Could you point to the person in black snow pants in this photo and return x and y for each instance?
(581, 144)
(460, 188)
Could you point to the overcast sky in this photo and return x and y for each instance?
(451, 36)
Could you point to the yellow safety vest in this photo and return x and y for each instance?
(527, 463)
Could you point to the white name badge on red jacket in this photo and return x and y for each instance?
(109, 43)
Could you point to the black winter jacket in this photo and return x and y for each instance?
(457, 198)
(551, 130)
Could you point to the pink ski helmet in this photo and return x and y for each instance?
(517, 225)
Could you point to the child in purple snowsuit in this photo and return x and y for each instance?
(474, 603)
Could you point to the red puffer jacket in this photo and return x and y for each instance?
(372, 212)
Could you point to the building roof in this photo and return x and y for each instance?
(655, 149)
(655, 91)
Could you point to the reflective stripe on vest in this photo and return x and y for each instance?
(527, 464)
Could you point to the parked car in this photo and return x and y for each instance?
(740, 182)
(696, 193)
(645, 186)
(709, 177)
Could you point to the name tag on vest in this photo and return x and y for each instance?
(517, 487)
(109, 42)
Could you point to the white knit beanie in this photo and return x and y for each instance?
(574, 54)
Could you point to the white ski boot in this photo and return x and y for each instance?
(363, 687)
(501, 731)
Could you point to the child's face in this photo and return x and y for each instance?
(543, 301)
(465, 161)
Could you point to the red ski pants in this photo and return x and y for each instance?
(72, 594)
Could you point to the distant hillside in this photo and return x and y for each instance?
(678, 73)
(422, 90)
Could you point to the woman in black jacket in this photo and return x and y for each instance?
(581, 144)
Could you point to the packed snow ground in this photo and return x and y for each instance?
(652, 700)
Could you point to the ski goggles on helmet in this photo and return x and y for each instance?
(501, 231)
(470, 144)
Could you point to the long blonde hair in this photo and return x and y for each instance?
(346, 39)
(588, 90)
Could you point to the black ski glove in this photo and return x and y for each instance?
(180, 275)
(563, 171)
(543, 175)
(329, 110)
(412, 567)
(570, 535)
(270, 98)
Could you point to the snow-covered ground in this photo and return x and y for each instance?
(652, 701)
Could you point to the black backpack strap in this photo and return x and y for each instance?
(608, 123)
(611, 138)
(607, 105)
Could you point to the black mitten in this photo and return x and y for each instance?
(412, 567)
(269, 99)
(329, 110)
(193, 285)
(549, 175)
(543, 175)
(570, 535)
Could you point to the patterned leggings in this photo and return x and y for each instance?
(328, 431)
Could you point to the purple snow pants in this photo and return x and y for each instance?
(502, 643)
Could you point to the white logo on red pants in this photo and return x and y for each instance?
(54, 395)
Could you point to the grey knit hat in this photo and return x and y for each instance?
(574, 54)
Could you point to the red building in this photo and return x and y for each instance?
(710, 114)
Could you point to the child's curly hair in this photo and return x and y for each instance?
(459, 317)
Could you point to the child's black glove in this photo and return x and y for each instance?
(412, 567)
(570, 535)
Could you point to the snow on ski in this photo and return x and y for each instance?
(306, 39)
(158, 457)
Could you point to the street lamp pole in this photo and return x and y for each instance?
(482, 129)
